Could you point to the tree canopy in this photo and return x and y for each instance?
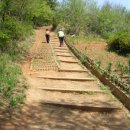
(110, 21)
(19, 16)
(78, 17)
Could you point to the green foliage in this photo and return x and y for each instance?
(8, 75)
(120, 42)
(121, 69)
(3, 38)
(13, 28)
(42, 13)
(17, 18)
(53, 4)
(126, 69)
(11, 31)
(105, 88)
(112, 22)
(99, 64)
(109, 68)
(12, 84)
(129, 66)
(17, 100)
(83, 58)
(72, 19)
(111, 18)
(85, 38)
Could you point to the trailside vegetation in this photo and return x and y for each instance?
(17, 19)
(111, 22)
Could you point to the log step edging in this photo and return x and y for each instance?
(72, 79)
(56, 41)
(68, 70)
(56, 51)
(67, 61)
(87, 107)
(73, 91)
(63, 55)
(60, 48)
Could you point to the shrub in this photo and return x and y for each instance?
(12, 27)
(109, 68)
(9, 76)
(11, 31)
(4, 38)
(120, 42)
(15, 29)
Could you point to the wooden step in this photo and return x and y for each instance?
(56, 38)
(69, 70)
(55, 41)
(72, 79)
(86, 107)
(62, 52)
(60, 48)
(72, 90)
(56, 44)
(63, 55)
(68, 61)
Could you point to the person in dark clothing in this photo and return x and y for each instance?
(47, 35)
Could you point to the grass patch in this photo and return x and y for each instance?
(108, 91)
(104, 88)
(12, 83)
(89, 37)
(9, 73)
(21, 51)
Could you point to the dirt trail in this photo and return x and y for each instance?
(63, 95)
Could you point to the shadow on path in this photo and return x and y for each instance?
(46, 117)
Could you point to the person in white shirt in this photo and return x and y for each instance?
(61, 36)
(47, 35)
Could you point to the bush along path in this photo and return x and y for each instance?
(63, 95)
(12, 83)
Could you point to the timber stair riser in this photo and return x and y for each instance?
(68, 61)
(89, 108)
(73, 91)
(72, 79)
(65, 70)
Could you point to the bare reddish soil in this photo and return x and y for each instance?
(98, 51)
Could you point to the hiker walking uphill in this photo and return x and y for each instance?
(47, 35)
(61, 36)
